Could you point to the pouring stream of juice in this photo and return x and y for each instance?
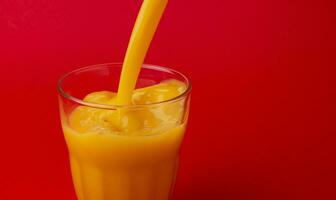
(142, 35)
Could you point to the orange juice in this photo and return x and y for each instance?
(128, 152)
(135, 159)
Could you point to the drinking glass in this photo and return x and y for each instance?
(140, 165)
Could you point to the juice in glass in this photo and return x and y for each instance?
(124, 152)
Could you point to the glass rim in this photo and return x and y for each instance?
(79, 101)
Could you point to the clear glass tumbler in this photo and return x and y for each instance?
(139, 165)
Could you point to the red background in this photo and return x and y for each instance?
(262, 122)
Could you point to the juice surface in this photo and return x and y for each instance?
(130, 154)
